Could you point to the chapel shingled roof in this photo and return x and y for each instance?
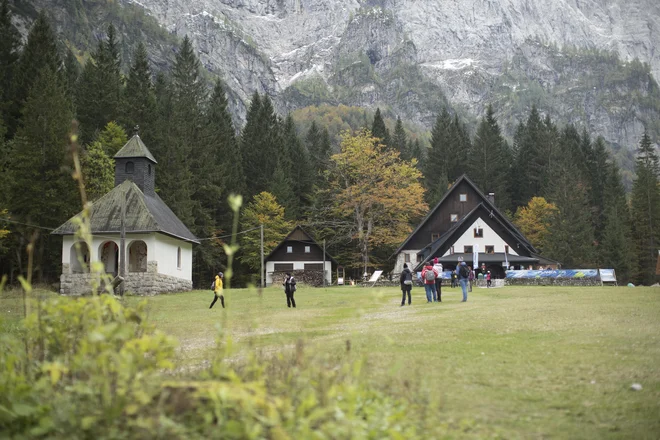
(144, 214)
(135, 148)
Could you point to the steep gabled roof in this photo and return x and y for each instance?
(454, 233)
(485, 201)
(135, 148)
(298, 234)
(144, 214)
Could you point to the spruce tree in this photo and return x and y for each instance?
(185, 150)
(598, 177)
(530, 159)
(99, 98)
(616, 248)
(379, 130)
(259, 144)
(400, 141)
(139, 97)
(645, 205)
(9, 51)
(490, 159)
(435, 166)
(571, 236)
(71, 76)
(300, 172)
(39, 52)
(42, 190)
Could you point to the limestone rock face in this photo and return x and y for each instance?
(411, 57)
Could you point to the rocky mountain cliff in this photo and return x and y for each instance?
(574, 59)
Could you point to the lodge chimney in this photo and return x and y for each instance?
(491, 198)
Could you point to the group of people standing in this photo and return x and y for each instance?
(432, 279)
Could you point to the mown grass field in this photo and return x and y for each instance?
(517, 362)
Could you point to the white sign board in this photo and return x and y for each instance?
(607, 275)
(375, 276)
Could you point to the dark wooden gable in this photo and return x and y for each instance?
(438, 221)
(298, 240)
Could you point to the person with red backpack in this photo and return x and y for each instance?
(429, 275)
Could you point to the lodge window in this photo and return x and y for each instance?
(468, 249)
(406, 258)
(149, 169)
(478, 233)
(506, 249)
(462, 197)
(434, 237)
(130, 167)
(454, 218)
(490, 249)
(178, 258)
(283, 267)
(289, 249)
(308, 249)
(313, 266)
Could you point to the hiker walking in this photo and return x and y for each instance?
(488, 279)
(406, 280)
(217, 290)
(429, 274)
(289, 288)
(471, 277)
(438, 281)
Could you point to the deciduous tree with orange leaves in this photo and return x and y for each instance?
(533, 220)
(376, 191)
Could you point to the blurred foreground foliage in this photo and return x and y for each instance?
(91, 367)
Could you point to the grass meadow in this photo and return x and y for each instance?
(512, 362)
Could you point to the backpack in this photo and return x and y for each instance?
(463, 271)
(429, 275)
(407, 280)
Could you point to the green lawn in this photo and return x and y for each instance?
(518, 362)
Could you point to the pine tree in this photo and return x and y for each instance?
(39, 52)
(99, 98)
(379, 130)
(9, 52)
(490, 159)
(598, 177)
(400, 141)
(185, 150)
(645, 205)
(300, 170)
(530, 145)
(71, 76)
(139, 97)
(227, 155)
(571, 235)
(616, 248)
(41, 192)
(259, 144)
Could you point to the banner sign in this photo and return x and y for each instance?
(446, 275)
(607, 275)
(563, 273)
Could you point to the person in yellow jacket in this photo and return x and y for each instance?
(217, 289)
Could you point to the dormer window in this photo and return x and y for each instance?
(289, 249)
(130, 167)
